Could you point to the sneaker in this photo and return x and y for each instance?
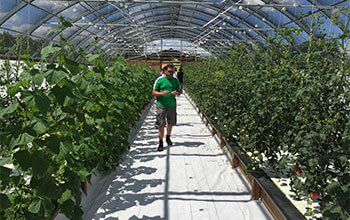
(160, 146)
(168, 141)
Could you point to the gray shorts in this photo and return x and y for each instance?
(166, 116)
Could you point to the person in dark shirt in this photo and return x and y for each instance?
(180, 75)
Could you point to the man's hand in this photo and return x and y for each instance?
(165, 92)
(176, 93)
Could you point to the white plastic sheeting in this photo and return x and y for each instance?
(190, 180)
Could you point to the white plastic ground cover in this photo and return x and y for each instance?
(190, 180)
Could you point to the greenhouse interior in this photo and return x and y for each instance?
(252, 96)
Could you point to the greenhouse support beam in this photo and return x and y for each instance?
(216, 3)
(169, 27)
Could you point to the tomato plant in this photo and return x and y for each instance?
(288, 108)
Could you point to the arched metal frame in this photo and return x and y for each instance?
(151, 33)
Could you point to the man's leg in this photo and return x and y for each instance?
(161, 132)
(160, 135)
(168, 129)
(160, 122)
(168, 133)
(171, 118)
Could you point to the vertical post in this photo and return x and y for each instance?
(161, 49)
(83, 187)
(181, 52)
(195, 56)
(146, 52)
(213, 131)
(222, 142)
(235, 161)
(256, 190)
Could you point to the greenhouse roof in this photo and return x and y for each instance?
(146, 26)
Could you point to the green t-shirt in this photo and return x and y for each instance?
(162, 84)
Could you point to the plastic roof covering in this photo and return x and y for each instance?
(206, 26)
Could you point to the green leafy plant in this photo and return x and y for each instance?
(63, 119)
(288, 108)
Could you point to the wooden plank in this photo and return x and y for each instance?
(256, 190)
(222, 143)
(276, 214)
(245, 172)
(235, 161)
(83, 187)
(213, 132)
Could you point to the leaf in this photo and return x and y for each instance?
(343, 160)
(78, 213)
(22, 139)
(65, 196)
(336, 209)
(33, 72)
(38, 79)
(53, 143)
(83, 173)
(40, 165)
(25, 75)
(92, 57)
(42, 102)
(9, 109)
(67, 24)
(72, 66)
(53, 30)
(67, 208)
(120, 105)
(4, 173)
(65, 148)
(4, 161)
(4, 202)
(61, 93)
(34, 207)
(54, 76)
(27, 97)
(49, 49)
(23, 158)
(68, 43)
(48, 188)
(333, 187)
(39, 127)
(14, 88)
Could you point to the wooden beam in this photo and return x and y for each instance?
(276, 214)
(222, 142)
(256, 190)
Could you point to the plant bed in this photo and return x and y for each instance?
(287, 109)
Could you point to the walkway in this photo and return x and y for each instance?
(190, 180)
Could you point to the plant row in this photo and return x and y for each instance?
(289, 109)
(61, 120)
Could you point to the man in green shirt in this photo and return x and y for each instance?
(165, 89)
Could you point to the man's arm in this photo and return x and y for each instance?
(156, 93)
